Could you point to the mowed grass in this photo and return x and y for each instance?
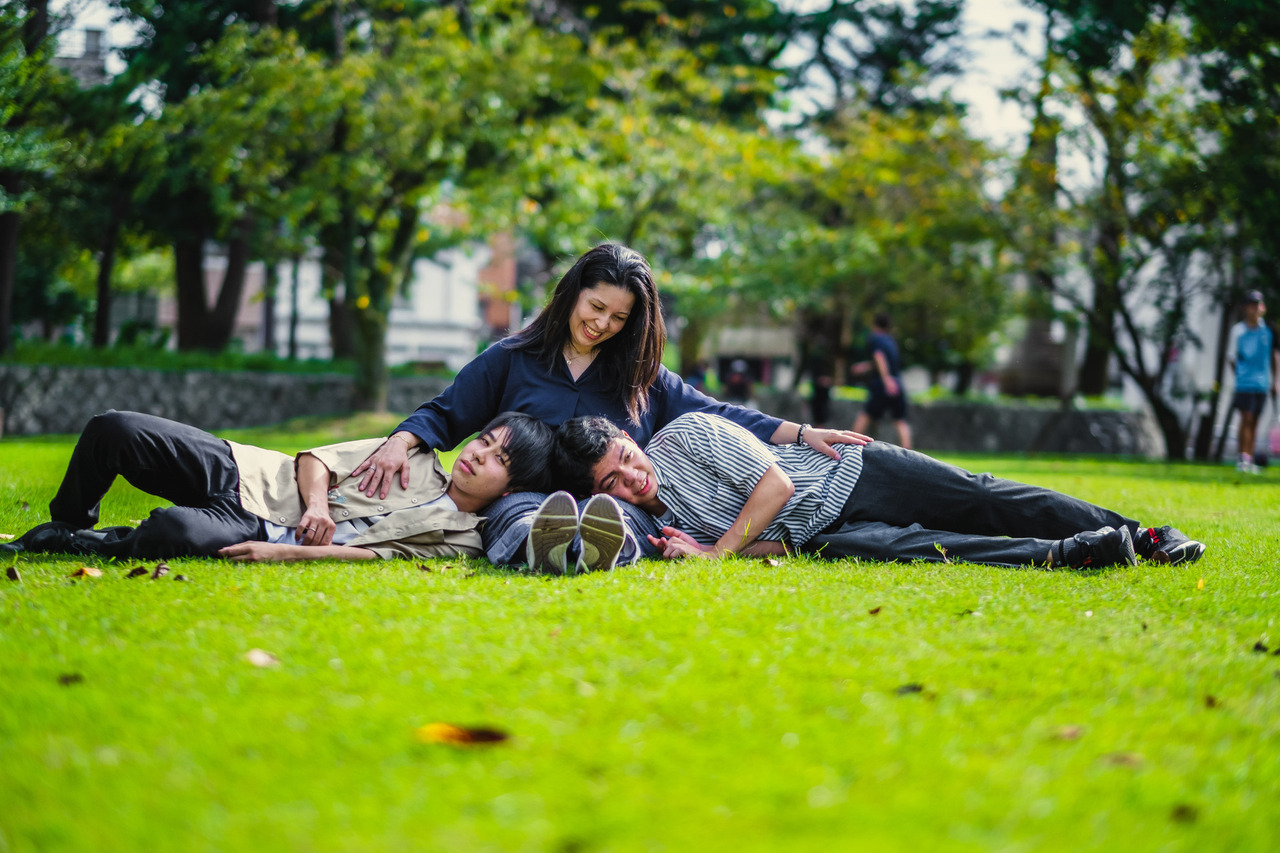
(708, 706)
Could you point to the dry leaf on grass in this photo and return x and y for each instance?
(1200, 584)
(448, 733)
(1211, 701)
(12, 573)
(7, 536)
(162, 569)
(69, 678)
(258, 657)
(137, 571)
(86, 572)
(1068, 732)
(1124, 759)
(875, 611)
(1260, 647)
(1184, 813)
(908, 689)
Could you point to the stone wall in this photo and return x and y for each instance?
(38, 400)
(990, 428)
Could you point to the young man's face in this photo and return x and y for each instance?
(627, 474)
(480, 471)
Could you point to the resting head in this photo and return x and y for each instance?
(511, 454)
(593, 457)
(605, 305)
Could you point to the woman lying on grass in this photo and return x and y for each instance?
(718, 490)
(248, 503)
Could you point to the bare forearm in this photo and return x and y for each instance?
(767, 499)
(283, 552)
(313, 480)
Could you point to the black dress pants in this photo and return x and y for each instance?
(187, 466)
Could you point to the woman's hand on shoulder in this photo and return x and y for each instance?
(822, 439)
(379, 471)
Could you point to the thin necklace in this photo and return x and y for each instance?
(579, 357)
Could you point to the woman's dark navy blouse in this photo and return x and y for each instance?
(502, 379)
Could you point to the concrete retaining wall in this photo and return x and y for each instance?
(39, 400)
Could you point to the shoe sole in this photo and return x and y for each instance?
(1128, 556)
(555, 524)
(603, 535)
(1185, 552)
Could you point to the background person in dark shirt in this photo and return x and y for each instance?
(884, 385)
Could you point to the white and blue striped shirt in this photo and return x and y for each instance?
(707, 467)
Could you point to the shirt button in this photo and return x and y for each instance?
(282, 519)
(380, 509)
(413, 500)
(345, 513)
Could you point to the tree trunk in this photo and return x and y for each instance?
(193, 303)
(106, 264)
(9, 224)
(1204, 432)
(372, 376)
(222, 319)
(270, 289)
(293, 308)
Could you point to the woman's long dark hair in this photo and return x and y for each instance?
(630, 360)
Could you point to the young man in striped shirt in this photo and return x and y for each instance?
(716, 489)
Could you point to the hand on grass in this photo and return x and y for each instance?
(676, 544)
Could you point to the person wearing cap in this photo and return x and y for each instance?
(1256, 362)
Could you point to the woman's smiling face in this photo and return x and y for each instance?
(600, 314)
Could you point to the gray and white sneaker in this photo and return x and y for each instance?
(555, 525)
(602, 534)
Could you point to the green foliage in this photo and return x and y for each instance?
(718, 705)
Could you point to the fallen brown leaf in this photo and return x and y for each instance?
(448, 733)
(1260, 647)
(137, 571)
(1184, 813)
(772, 562)
(907, 689)
(1211, 701)
(1068, 732)
(423, 567)
(86, 572)
(12, 573)
(7, 536)
(874, 611)
(181, 578)
(258, 657)
(69, 678)
(162, 569)
(1124, 759)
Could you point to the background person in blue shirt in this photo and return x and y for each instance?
(884, 385)
(595, 349)
(1256, 360)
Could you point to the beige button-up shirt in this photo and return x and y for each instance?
(411, 529)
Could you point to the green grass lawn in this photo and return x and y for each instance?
(678, 707)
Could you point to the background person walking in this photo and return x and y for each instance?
(884, 387)
(1256, 361)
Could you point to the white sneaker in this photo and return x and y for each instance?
(555, 525)
(602, 534)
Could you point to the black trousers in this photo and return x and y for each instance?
(909, 506)
(187, 466)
